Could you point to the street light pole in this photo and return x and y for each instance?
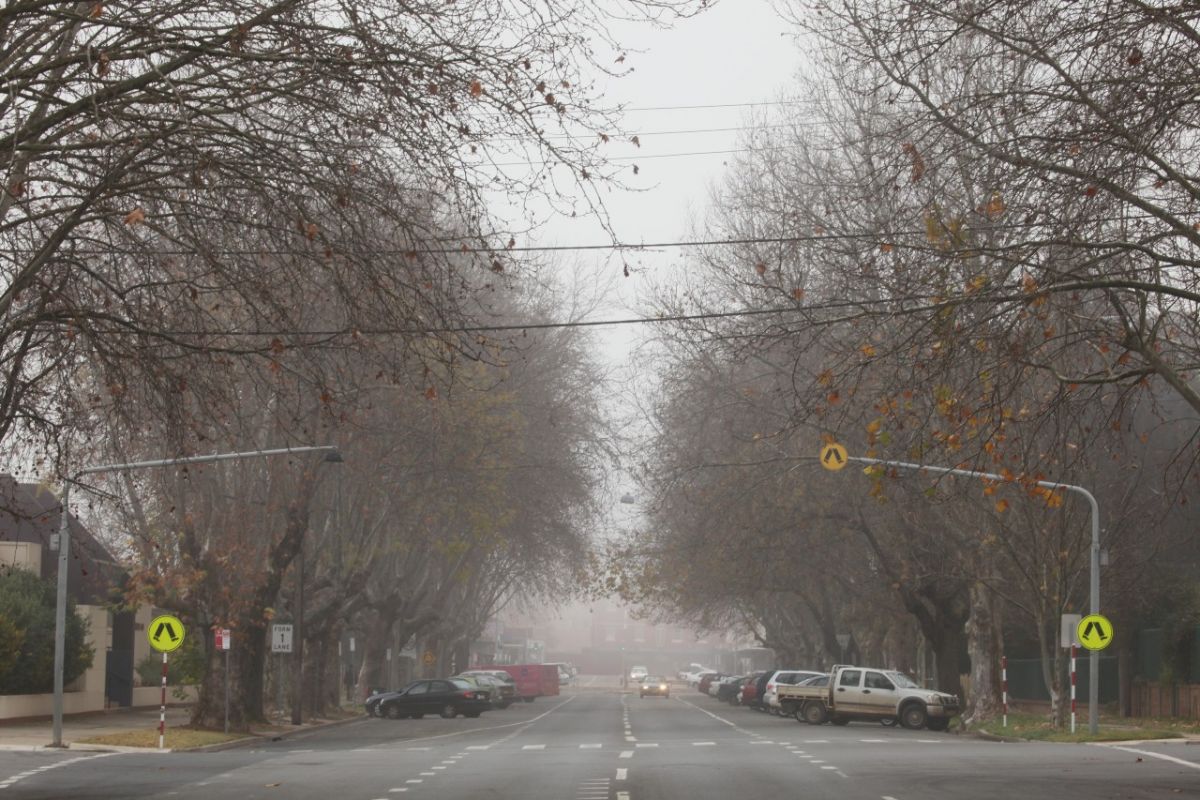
(64, 540)
(1094, 582)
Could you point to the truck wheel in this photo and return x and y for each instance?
(913, 716)
(814, 713)
(938, 724)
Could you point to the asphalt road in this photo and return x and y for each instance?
(606, 746)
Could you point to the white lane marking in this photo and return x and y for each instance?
(436, 768)
(414, 780)
(300, 751)
(534, 747)
(626, 754)
(887, 797)
(648, 744)
(828, 767)
(763, 741)
(817, 761)
(29, 773)
(427, 774)
(622, 774)
(479, 747)
(418, 749)
(874, 741)
(816, 741)
(590, 746)
(930, 741)
(398, 789)
(631, 738)
(704, 744)
(786, 744)
(1152, 754)
(450, 761)
(844, 775)
(622, 795)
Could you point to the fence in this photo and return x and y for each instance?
(1025, 679)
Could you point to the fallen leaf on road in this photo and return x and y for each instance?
(271, 785)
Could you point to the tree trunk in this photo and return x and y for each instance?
(985, 647)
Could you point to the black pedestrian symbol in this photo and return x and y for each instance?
(1094, 627)
(832, 455)
(169, 628)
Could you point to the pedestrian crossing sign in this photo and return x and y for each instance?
(1095, 632)
(165, 633)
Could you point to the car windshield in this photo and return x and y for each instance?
(902, 680)
(654, 679)
(463, 683)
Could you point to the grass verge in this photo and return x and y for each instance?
(175, 738)
(1037, 727)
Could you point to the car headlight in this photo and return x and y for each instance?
(664, 686)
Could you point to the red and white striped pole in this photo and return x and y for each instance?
(162, 709)
(1073, 688)
(1004, 687)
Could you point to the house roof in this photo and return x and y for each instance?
(30, 512)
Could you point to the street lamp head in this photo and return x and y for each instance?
(628, 499)
(334, 456)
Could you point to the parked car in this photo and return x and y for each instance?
(728, 688)
(759, 691)
(564, 672)
(689, 670)
(448, 697)
(692, 676)
(748, 694)
(655, 685)
(638, 674)
(503, 690)
(704, 679)
(858, 693)
(784, 677)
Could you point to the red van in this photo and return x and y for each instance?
(533, 680)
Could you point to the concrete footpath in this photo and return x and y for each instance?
(37, 734)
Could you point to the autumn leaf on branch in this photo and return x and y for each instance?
(135, 217)
(918, 163)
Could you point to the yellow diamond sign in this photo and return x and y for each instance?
(165, 633)
(1094, 632)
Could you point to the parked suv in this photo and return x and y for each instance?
(788, 677)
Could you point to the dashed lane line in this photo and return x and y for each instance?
(626, 754)
(622, 774)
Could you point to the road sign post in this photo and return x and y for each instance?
(166, 635)
(222, 637)
(1094, 582)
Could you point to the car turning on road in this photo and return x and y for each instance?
(448, 697)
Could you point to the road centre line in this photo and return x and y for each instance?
(1152, 754)
(399, 789)
(626, 754)
(622, 774)
(648, 744)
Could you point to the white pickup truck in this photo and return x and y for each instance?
(869, 694)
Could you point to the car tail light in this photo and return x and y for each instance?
(770, 687)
